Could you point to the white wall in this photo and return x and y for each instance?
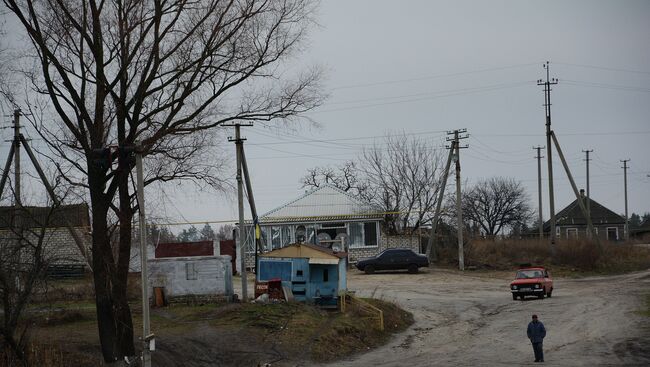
(213, 275)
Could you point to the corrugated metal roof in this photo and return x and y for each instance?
(323, 202)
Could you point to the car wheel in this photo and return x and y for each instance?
(413, 269)
(514, 297)
(541, 295)
(369, 269)
(521, 297)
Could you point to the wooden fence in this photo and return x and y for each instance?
(348, 300)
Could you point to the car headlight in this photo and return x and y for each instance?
(514, 287)
(536, 285)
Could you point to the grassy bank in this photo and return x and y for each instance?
(571, 257)
(65, 333)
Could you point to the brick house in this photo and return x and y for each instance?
(59, 246)
(325, 216)
(570, 223)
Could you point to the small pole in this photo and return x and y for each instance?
(587, 159)
(539, 190)
(431, 250)
(627, 224)
(146, 352)
(459, 212)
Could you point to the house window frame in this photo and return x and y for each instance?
(571, 229)
(607, 233)
(191, 273)
(363, 234)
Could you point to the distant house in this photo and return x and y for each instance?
(324, 216)
(571, 223)
(60, 248)
(643, 232)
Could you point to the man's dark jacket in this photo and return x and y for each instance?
(536, 331)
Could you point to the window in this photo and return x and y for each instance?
(286, 236)
(370, 231)
(190, 271)
(298, 273)
(355, 231)
(326, 275)
(572, 233)
(276, 241)
(557, 231)
(612, 233)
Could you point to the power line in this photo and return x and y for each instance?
(603, 68)
(407, 80)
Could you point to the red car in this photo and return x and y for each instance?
(532, 281)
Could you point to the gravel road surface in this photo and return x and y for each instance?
(470, 319)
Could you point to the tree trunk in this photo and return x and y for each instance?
(113, 312)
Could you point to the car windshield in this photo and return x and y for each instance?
(527, 274)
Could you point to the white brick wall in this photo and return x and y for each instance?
(59, 245)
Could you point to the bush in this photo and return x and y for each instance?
(581, 255)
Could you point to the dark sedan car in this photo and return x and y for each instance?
(394, 259)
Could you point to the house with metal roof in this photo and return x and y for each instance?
(328, 217)
(571, 223)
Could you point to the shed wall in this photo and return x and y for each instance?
(185, 276)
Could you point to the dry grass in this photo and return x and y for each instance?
(571, 256)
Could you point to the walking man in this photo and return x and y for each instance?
(536, 333)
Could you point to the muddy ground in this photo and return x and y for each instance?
(471, 320)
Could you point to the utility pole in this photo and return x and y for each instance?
(459, 212)
(587, 159)
(549, 157)
(147, 337)
(627, 224)
(240, 200)
(431, 251)
(16, 143)
(539, 190)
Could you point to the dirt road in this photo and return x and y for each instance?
(471, 320)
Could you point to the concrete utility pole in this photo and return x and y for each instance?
(459, 212)
(587, 159)
(431, 251)
(539, 190)
(16, 143)
(579, 199)
(627, 224)
(240, 200)
(147, 337)
(549, 157)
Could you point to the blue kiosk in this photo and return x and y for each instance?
(313, 273)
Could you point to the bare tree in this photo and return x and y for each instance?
(398, 175)
(345, 177)
(225, 232)
(162, 73)
(496, 204)
(24, 259)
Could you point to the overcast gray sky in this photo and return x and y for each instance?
(425, 67)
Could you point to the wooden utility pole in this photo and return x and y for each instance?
(459, 212)
(627, 224)
(539, 190)
(549, 157)
(587, 159)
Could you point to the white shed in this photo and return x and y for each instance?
(192, 276)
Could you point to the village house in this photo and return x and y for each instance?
(329, 217)
(61, 252)
(571, 223)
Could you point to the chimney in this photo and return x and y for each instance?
(582, 193)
